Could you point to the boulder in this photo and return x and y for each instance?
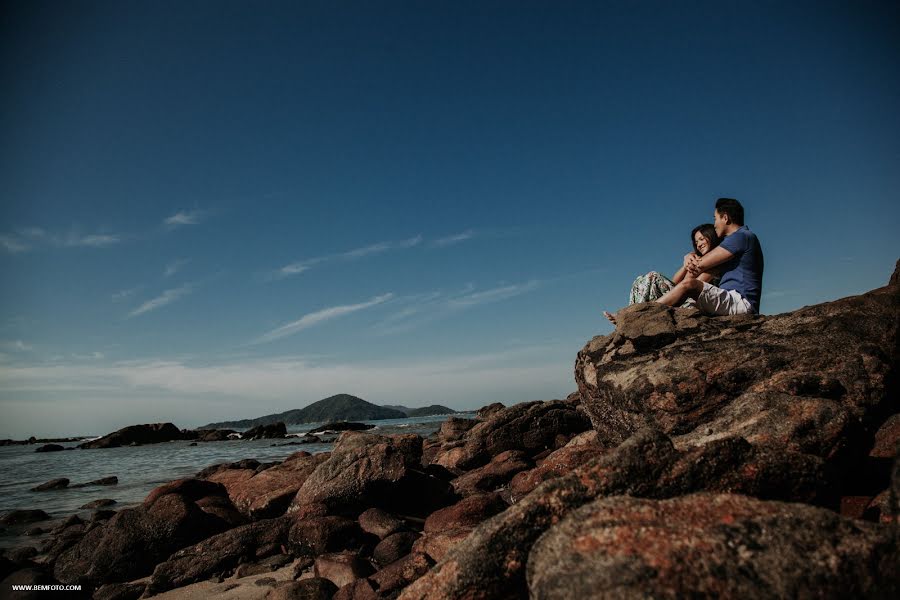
(359, 589)
(341, 426)
(99, 503)
(438, 544)
(136, 435)
(261, 432)
(319, 535)
(496, 473)
(221, 554)
(50, 448)
(401, 573)
(27, 576)
(813, 381)
(467, 513)
(530, 427)
(314, 588)
(53, 484)
(19, 517)
(486, 412)
(371, 471)
(342, 568)
(379, 523)
(394, 547)
(268, 493)
(133, 541)
(887, 439)
(558, 463)
(120, 591)
(709, 545)
(213, 435)
(111, 480)
(454, 428)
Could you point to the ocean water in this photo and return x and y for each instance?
(139, 469)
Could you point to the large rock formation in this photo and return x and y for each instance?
(136, 435)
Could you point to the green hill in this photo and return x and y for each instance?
(342, 407)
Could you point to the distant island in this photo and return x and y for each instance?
(341, 407)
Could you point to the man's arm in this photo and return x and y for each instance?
(711, 260)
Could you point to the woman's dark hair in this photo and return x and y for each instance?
(707, 230)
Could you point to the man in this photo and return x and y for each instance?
(738, 258)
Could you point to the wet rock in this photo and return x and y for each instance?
(394, 547)
(530, 427)
(260, 432)
(221, 553)
(496, 473)
(268, 493)
(709, 545)
(50, 448)
(379, 523)
(135, 539)
(401, 573)
(342, 426)
(53, 484)
(112, 480)
(314, 588)
(467, 513)
(19, 517)
(318, 535)
(99, 503)
(136, 435)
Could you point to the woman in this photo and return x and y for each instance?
(654, 285)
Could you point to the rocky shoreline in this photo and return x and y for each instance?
(703, 457)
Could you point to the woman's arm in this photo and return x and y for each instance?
(679, 275)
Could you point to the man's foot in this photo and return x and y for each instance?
(610, 316)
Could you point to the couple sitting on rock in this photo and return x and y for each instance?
(722, 276)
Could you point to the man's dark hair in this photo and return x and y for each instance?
(707, 230)
(732, 208)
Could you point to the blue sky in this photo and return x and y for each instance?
(216, 210)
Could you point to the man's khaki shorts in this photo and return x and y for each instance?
(716, 301)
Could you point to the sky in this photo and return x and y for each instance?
(219, 210)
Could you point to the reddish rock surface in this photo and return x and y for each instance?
(379, 523)
(558, 463)
(496, 473)
(466, 513)
(342, 568)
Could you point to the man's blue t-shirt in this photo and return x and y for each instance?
(743, 272)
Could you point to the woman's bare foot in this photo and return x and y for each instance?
(610, 316)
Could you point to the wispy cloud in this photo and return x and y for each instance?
(167, 297)
(453, 239)
(31, 237)
(184, 217)
(175, 266)
(301, 266)
(493, 295)
(320, 316)
(125, 294)
(16, 346)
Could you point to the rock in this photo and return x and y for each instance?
(21, 555)
(812, 381)
(341, 426)
(50, 448)
(342, 568)
(530, 427)
(53, 484)
(29, 576)
(454, 428)
(437, 544)
(68, 522)
(379, 523)
(401, 573)
(36, 531)
(486, 412)
(558, 463)
(220, 553)
(248, 464)
(318, 535)
(213, 435)
(467, 513)
(102, 515)
(112, 480)
(368, 471)
(394, 547)
(887, 439)
(879, 509)
(260, 432)
(268, 493)
(266, 565)
(133, 541)
(708, 545)
(496, 473)
(19, 517)
(490, 561)
(314, 588)
(136, 435)
(360, 589)
(120, 591)
(266, 582)
(99, 503)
